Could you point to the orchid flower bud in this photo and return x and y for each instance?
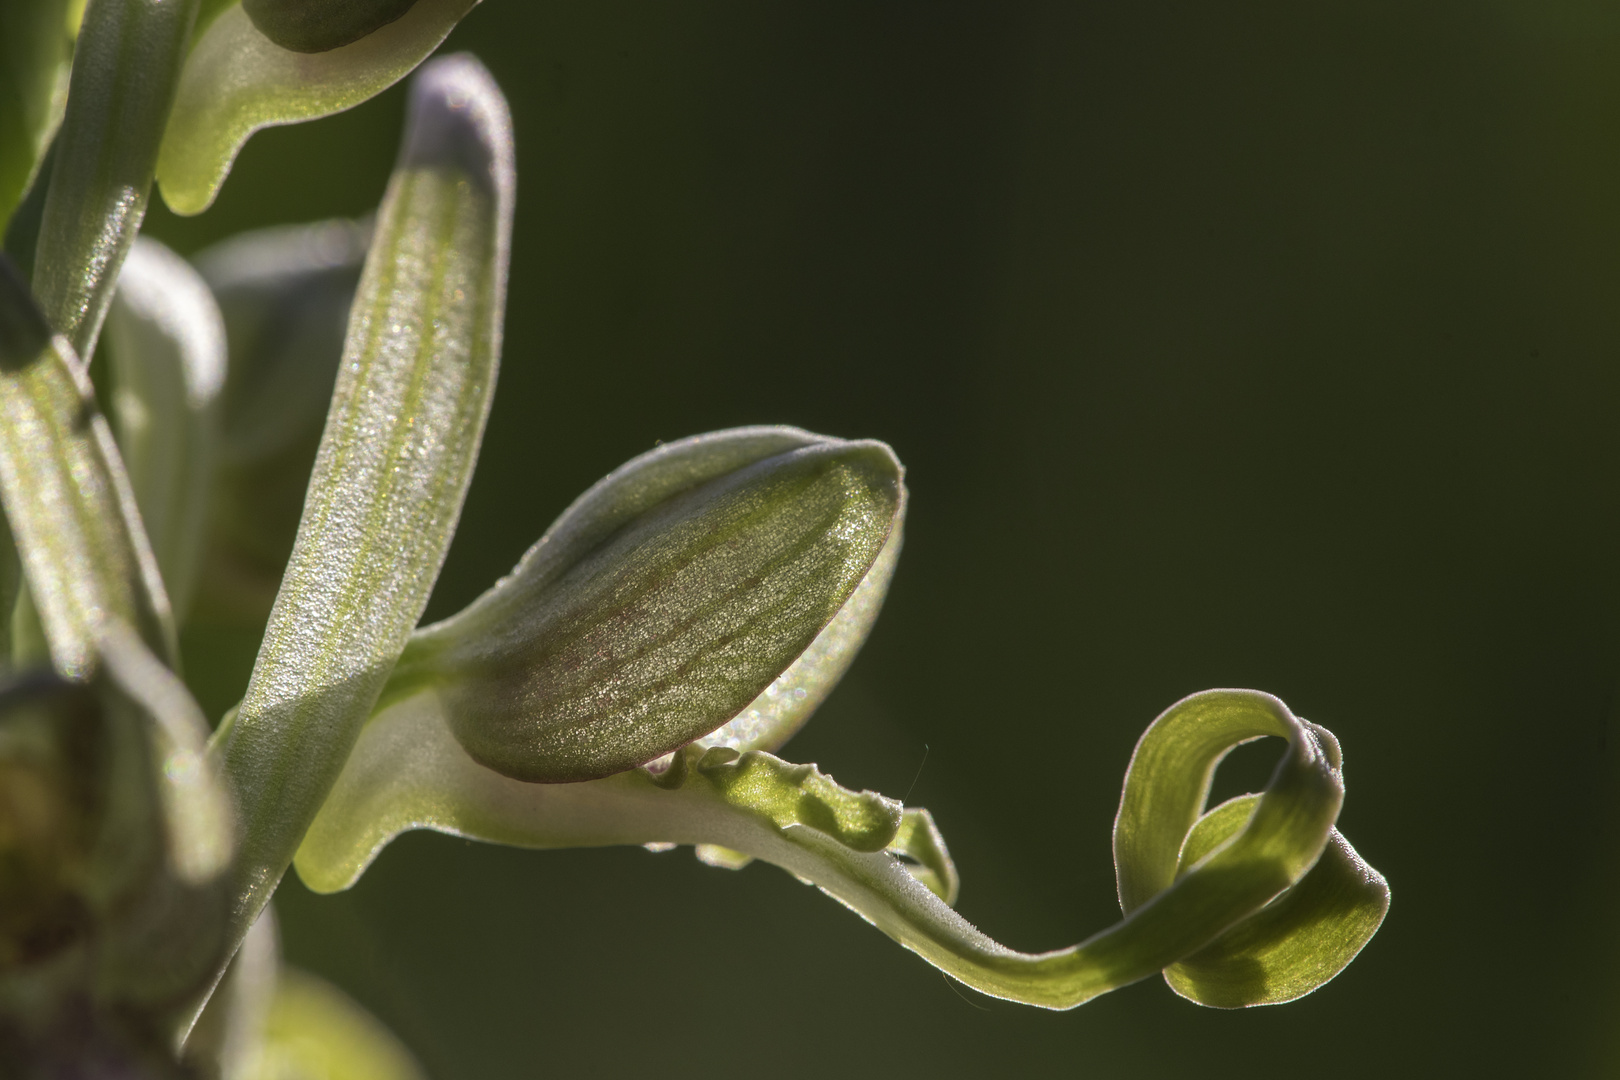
(665, 601)
(312, 26)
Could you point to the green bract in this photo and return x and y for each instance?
(401, 438)
(668, 598)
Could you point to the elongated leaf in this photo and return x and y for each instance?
(67, 498)
(401, 438)
(35, 52)
(237, 81)
(409, 772)
(125, 70)
(166, 341)
(675, 593)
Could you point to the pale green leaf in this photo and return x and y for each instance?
(67, 498)
(125, 70)
(237, 81)
(401, 439)
(409, 772)
(667, 601)
(166, 343)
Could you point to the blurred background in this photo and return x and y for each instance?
(1253, 344)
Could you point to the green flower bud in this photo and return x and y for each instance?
(312, 26)
(665, 601)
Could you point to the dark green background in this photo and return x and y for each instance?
(1269, 345)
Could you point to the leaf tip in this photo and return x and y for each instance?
(459, 119)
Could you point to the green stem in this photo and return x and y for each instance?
(125, 71)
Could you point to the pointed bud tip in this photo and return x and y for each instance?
(459, 120)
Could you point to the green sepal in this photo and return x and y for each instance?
(166, 346)
(401, 438)
(67, 498)
(665, 602)
(237, 81)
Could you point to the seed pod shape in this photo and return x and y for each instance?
(661, 604)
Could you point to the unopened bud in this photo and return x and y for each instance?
(662, 603)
